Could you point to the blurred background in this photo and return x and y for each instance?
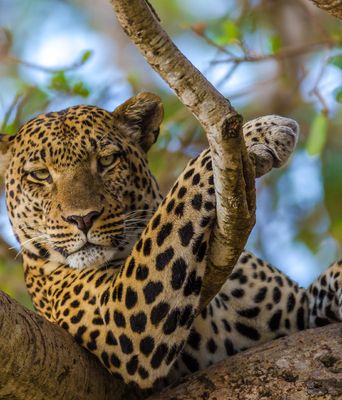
(266, 56)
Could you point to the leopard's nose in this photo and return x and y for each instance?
(83, 222)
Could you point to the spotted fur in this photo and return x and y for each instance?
(121, 269)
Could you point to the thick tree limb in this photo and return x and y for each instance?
(41, 361)
(333, 7)
(304, 366)
(233, 172)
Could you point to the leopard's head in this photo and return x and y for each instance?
(78, 187)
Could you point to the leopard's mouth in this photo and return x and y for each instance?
(91, 255)
(88, 246)
(95, 255)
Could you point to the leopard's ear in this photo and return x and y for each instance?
(141, 116)
(5, 152)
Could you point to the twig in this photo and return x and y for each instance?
(232, 168)
(284, 53)
(16, 60)
(211, 42)
(315, 90)
(228, 75)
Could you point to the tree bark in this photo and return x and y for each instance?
(41, 361)
(304, 366)
(333, 7)
(232, 169)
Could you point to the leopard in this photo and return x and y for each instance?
(120, 267)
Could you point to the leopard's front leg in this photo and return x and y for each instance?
(156, 296)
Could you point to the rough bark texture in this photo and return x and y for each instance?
(333, 7)
(307, 365)
(232, 169)
(41, 361)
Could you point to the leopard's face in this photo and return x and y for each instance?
(79, 190)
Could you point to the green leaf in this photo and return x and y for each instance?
(274, 44)
(11, 129)
(317, 135)
(336, 60)
(229, 32)
(80, 89)
(59, 82)
(338, 94)
(86, 55)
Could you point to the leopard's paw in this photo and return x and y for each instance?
(270, 140)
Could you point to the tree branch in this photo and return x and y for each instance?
(286, 52)
(41, 361)
(233, 172)
(304, 366)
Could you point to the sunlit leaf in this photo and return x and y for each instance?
(336, 60)
(274, 44)
(317, 135)
(229, 32)
(11, 129)
(59, 82)
(86, 55)
(80, 89)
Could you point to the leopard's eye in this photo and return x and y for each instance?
(41, 175)
(106, 161)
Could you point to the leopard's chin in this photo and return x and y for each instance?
(91, 256)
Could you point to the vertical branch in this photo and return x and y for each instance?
(232, 170)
